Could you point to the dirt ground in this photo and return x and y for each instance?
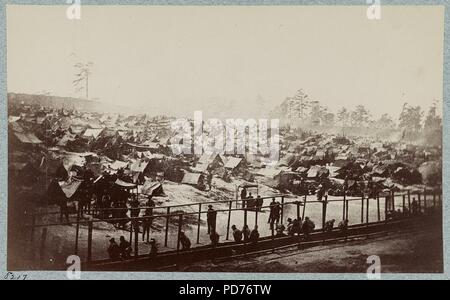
(413, 252)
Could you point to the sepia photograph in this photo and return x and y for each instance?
(265, 139)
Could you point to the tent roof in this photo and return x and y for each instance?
(138, 167)
(118, 165)
(233, 162)
(93, 132)
(191, 178)
(70, 188)
(125, 185)
(27, 138)
(151, 188)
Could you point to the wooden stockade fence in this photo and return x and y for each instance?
(169, 213)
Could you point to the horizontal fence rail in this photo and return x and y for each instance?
(368, 210)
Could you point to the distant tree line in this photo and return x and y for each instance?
(412, 119)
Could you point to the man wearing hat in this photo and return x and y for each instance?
(211, 218)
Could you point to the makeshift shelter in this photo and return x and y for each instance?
(351, 171)
(91, 133)
(284, 179)
(287, 161)
(236, 165)
(71, 188)
(118, 165)
(15, 127)
(408, 176)
(138, 167)
(194, 179)
(209, 162)
(27, 138)
(125, 185)
(318, 172)
(341, 160)
(153, 188)
(68, 137)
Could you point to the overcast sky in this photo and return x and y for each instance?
(181, 59)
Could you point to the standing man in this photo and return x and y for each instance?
(272, 213)
(211, 218)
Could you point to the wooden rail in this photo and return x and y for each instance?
(169, 214)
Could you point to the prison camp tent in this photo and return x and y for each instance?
(118, 165)
(287, 161)
(153, 188)
(68, 137)
(317, 172)
(92, 133)
(27, 138)
(284, 179)
(208, 162)
(71, 188)
(16, 127)
(350, 171)
(333, 170)
(194, 179)
(407, 175)
(254, 161)
(320, 155)
(341, 160)
(138, 167)
(125, 185)
(13, 119)
(236, 165)
(77, 130)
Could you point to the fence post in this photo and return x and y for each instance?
(199, 220)
(362, 209)
(298, 210)
(245, 216)
(346, 208)
(77, 233)
(180, 223)
(343, 206)
(419, 200)
(324, 212)
(409, 200)
(367, 210)
(229, 219)
(90, 229)
(378, 208)
(167, 227)
(136, 240)
(304, 208)
(256, 217)
(386, 199)
(131, 231)
(282, 210)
